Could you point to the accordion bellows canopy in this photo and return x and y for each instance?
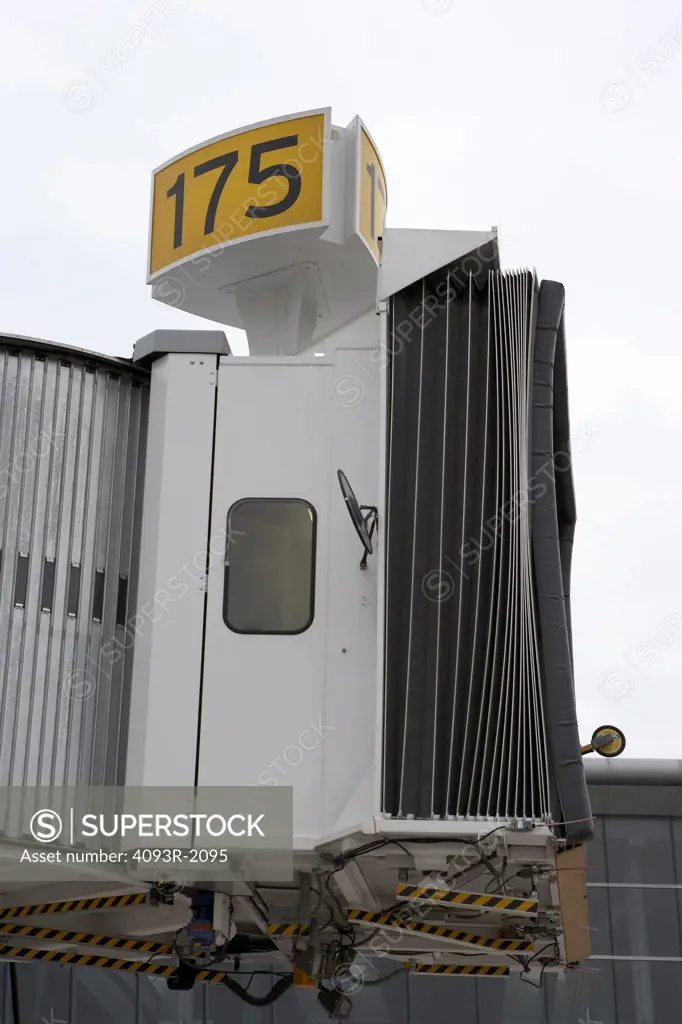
(480, 709)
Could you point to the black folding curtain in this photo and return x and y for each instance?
(479, 701)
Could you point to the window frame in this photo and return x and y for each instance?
(313, 568)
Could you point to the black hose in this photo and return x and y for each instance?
(277, 990)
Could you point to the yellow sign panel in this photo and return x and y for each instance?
(371, 195)
(262, 179)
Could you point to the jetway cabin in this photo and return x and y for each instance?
(340, 564)
(289, 641)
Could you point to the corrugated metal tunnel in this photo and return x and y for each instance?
(72, 440)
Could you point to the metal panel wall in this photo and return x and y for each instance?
(62, 994)
(72, 438)
(470, 677)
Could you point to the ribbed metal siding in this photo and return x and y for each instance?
(54, 994)
(72, 437)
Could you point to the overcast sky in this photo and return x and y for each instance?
(560, 123)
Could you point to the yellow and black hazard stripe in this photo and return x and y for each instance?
(110, 962)
(437, 931)
(483, 901)
(283, 931)
(82, 939)
(481, 971)
(74, 906)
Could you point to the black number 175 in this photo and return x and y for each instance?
(257, 176)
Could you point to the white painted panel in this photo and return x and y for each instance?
(170, 606)
(300, 710)
(350, 707)
(263, 696)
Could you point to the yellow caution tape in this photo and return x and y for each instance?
(449, 897)
(437, 931)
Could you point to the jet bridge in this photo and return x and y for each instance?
(340, 565)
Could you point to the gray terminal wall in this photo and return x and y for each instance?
(72, 446)
(634, 975)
